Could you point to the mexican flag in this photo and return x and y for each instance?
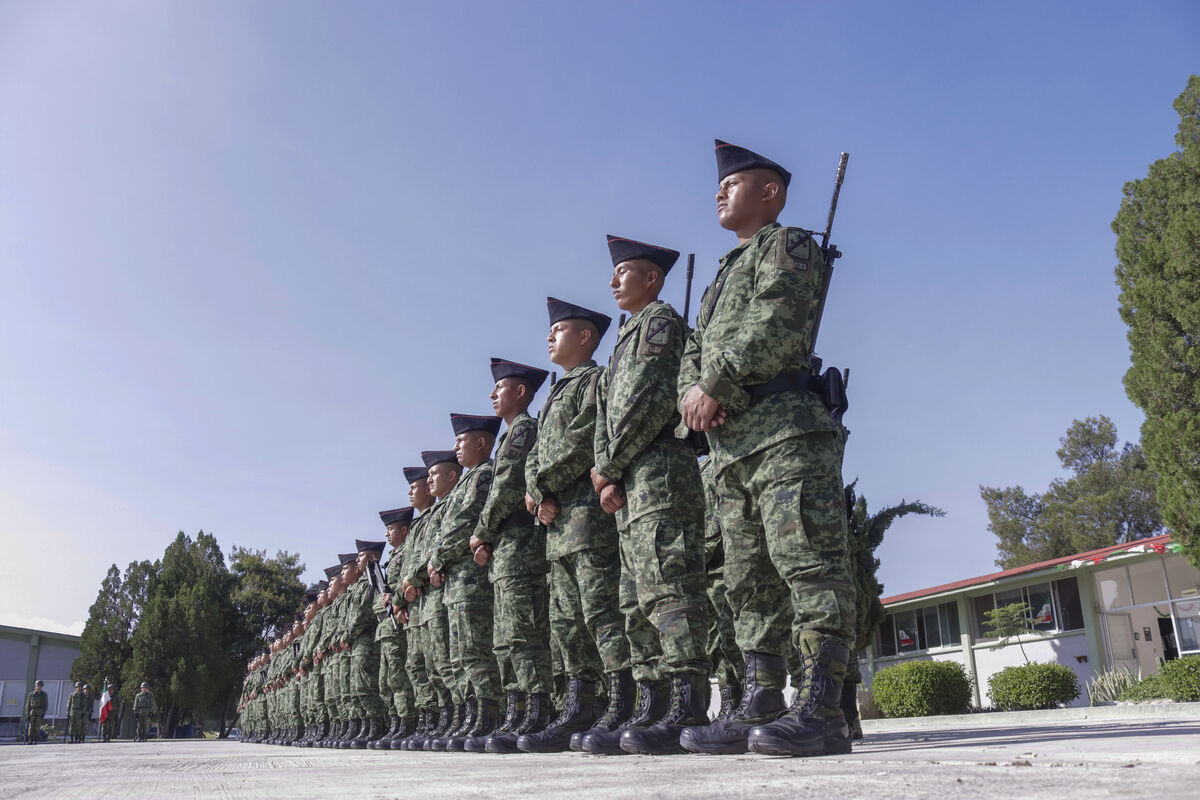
(105, 703)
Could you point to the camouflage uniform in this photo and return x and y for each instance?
(581, 543)
(364, 652)
(435, 637)
(424, 692)
(394, 686)
(662, 523)
(313, 689)
(467, 590)
(729, 668)
(518, 567)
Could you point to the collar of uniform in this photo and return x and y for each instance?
(467, 472)
(651, 307)
(571, 373)
(736, 252)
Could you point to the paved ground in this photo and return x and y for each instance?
(1072, 753)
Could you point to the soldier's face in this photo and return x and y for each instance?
(633, 284)
(348, 572)
(470, 448)
(508, 398)
(567, 342)
(741, 198)
(418, 494)
(442, 478)
(397, 532)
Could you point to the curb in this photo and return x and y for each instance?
(1002, 719)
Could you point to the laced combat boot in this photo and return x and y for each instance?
(353, 728)
(578, 714)
(849, 706)
(439, 741)
(458, 737)
(438, 723)
(366, 734)
(406, 728)
(486, 721)
(514, 710)
(384, 741)
(762, 701)
(320, 730)
(731, 695)
(690, 693)
(814, 725)
(604, 738)
(414, 740)
(538, 710)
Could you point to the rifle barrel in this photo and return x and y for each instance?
(837, 190)
(687, 298)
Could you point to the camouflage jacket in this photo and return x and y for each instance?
(394, 579)
(331, 634)
(415, 570)
(75, 704)
(755, 321)
(143, 703)
(636, 415)
(410, 556)
(312, 637)
(519, 547)
(37, 702)
(464, 578)
(361, 610)
(560, 462)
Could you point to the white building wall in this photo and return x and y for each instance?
(1065, 649)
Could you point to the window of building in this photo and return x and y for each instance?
(919, 629)
(1183, 578)
(1113, 587)
(982, 604)
(1148, 581)
(1053, 606)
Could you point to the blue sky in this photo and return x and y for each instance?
(253, 254)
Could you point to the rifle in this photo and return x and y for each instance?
(687, 297)
(377, 583)
(830, 252)
(621, 322)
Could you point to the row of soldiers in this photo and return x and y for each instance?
(580, 557)
(80, 704)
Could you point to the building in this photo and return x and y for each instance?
(1130, 605)
(25, 656)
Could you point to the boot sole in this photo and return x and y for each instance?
(771, 746)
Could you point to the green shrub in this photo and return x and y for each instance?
(922, 689)
(1105, 687)
(1151, 688)
(1030, 686)
(1177, 680)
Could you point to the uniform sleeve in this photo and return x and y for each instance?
(415, 572)
(362, 616)
(461, 520)
(774, 332)
(573, 451)
(653, 368)
(507, 495)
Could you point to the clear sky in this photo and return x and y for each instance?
(253, 253)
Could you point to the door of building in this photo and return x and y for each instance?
(1118, 637)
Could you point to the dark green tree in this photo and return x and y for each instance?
(1108, 499)
(267, 592)
(104, 645)
(1158, 271)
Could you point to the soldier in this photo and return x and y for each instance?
(85, 712)
(508, 541)
(777, 450)
(444, 472)
(364, 651)
(394, 686)
(581, 539)
(328, 653)
(728, 665)
(305, 672)
(430, 695)
(35, 710)
(649, 479)
(74, 714)
(108, 727)
(338, 680)
(143, 711)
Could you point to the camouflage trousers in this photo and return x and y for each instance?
(315, 702)
(364, 678)
(418, 677)
(394, 687)
(437, 650)
(728, 663)
(522, 633)
(293, 702)
(585, 615)
(471, 656)
(783, 520)
(33, 731)
(77, 724)
(662, 594)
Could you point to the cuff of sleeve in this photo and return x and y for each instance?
(436, 563)
(609, 473)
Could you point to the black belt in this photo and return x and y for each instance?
(521, 517)
(790, 381)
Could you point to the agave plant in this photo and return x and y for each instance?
(1106, 687)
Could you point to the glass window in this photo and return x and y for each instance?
(906, 631)
(1148, 583)
(1113, 587)
(1041, 607)
(982, 605)
(948, 624)
(1069, 607)
(1010, 597)
(931, 633)
(887, 637)
(1187, 618)
(1181, 576)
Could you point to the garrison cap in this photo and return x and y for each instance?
(347, 558)
(628, 249)
(464, 423)
(560, 310)
(363, 546)
(414, 474)
(431, 457)
(298, 617)
(310, 597)
(511, 369)
(330, 572)
(398, 515)
(731, 159)
(322, 585)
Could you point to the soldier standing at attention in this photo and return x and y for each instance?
(328, 652)
(394, 687)
(649, 479)
(468, 591)
(35, 710)
(444, 472)
(108, 728)
(342, 614)
(364, 653)
(74, 706)
(508, 540)
(85, 712)
(777, 453)
(581, 539)
(143, 710)
(426, 694)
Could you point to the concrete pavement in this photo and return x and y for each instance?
(1073, 753)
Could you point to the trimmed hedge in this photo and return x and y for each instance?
(1178, 680)
(1031, 686)
(922, 689)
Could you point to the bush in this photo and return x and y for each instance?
(1177, 680)
(922, 689)
(1030, 686)
(1105, 687)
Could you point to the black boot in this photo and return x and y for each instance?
(457, 740)
(578, 714)
(406, 728)
(425, 719)
(353, 728)
(849, 706)
(319, 731)
(384, 741)
(690, 693)
(762, 701)
(815, 724)
(437, 725)
(514, 711)
(366, 734)
(604, 738)
(486, 723)
(731, 695)
(538, 711)
(439, 740)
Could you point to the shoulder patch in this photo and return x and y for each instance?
(656, 335)
(521, 438)
(799, 245)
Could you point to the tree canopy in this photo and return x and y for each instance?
(1108, 499)
(1158, 271)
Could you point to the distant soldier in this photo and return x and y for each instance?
(108, 728)
(35, 711)
(75, 714)
(395, 689)
(85, 712)
(144, 709)
(364, 652)
(429, 694)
